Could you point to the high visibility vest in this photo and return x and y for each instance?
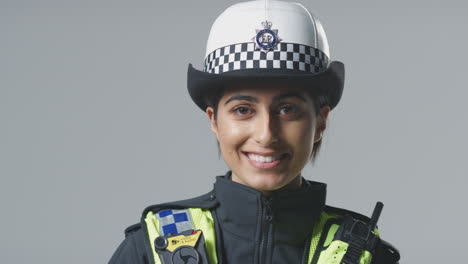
(324, 249)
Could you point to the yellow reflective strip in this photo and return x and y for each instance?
(317, 233)
(203, 220)
(366, 257)
(334, 253)
(376, 231)
(331, 234)
(153, 232)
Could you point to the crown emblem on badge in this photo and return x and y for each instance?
(267, 24)
(266, 39)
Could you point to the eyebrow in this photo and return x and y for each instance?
(288, 95)
(241, 97)
(275, 99)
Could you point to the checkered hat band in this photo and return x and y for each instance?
(283, 56)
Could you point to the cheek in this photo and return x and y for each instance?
(300, 135)
(231, 136)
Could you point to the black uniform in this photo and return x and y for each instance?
(243, 235)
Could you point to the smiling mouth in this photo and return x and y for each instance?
(261, 158)
(265, 161)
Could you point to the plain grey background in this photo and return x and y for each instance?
(96, 122)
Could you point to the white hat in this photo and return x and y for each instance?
(266, 40)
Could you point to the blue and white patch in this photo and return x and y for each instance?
(174, 221)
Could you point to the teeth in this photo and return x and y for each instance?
(263, 158)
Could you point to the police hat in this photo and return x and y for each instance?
(266, 41)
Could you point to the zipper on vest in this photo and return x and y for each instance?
(266, 232)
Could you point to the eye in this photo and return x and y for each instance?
(242, 110)
(288, 110)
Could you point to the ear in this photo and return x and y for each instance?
(321, 123)
(213, 124)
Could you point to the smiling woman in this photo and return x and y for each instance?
(267, 133)
(267, 99)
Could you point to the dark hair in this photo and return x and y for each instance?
(319, 101)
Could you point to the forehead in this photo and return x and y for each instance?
(266, 90)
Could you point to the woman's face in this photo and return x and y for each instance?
(266, 133)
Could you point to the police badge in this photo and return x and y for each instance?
(266, 38)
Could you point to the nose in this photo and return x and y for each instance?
(265, 131)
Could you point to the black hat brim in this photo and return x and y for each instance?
(330, 82)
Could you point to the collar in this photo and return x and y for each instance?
(294, 211)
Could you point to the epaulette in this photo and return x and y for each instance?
(386, 253)
(132, 228)
(205, 201)
(343, 212)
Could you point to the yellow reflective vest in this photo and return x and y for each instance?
(324, 248)
(241, 226)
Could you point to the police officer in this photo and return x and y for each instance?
(267, 87)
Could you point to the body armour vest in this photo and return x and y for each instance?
(236, 224)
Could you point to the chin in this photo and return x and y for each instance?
(268, 182)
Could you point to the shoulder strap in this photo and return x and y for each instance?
(386, 253)
(205, 201)
(132, 228)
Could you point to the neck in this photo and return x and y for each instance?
(241, 208)
(294, 184)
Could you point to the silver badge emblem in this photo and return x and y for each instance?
(266, 39)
